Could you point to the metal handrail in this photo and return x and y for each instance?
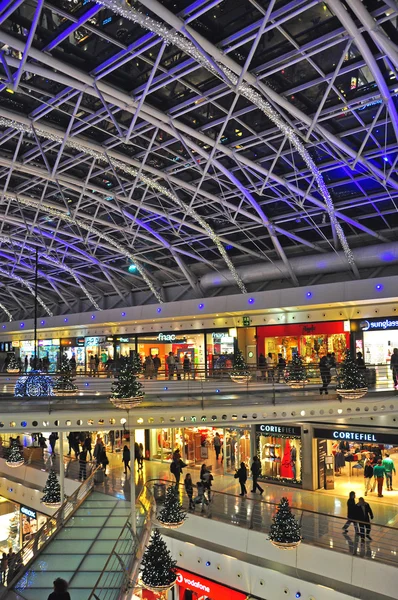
(23, 559)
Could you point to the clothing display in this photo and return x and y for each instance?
(286, 464)
(339, 460)
(280, 457)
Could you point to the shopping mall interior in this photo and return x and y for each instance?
(198, 300)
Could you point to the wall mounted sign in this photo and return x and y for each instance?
(351, 435)
(378, 324)
(246, 321)
(218, 335)
(29, 512)
(279, 430)
(95, 341)
(205, 588)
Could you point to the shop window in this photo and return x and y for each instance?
(279, 450)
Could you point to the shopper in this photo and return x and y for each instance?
(189, 490)
(206, 478)
(149, 367)
(351, 513)
(368, 476)
(187, 367)
(87, 446)
(96, 363)
(104, 460)
(262, 365)
(126, 459)
(281, 367)
(256, 472)
(157, 363)
(60, 590)
(241, 474)
(53, 439)
(364, 515)
(92, 366)
(217, 444)
(140, 460)
(83, 464)
(324, 368)
(270, 368)
(394, 366)
(177, 466)
(201, 498)
(178, 367)
(170, 362)
(3, 568)
(97, 450)
(389, 468)
(379, 472)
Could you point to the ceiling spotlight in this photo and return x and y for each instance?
(132, 268)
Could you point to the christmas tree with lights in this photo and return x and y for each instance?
(15, 458)
(64, 383)
(351, 377)
(52, 489)
(240, 366)
(127, 385)
(296, 371)
(172, 513)
(158, 569)
(135, 363)
(285, 529)
(12, 366)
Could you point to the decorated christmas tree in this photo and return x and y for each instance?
(172, 513)
(64, 383)
(15, 458)
(52, 489)
(127, 384)
(351, 377)
(158, 569)
(285, 528)
(135, 363)
(240, 366)
(12, 366)
(296, 370)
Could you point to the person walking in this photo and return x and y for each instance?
(157, 363)
(126, 459)
(206, 478)
(394, 367)
(140, 460)
(351, 513)
(177, 466)
(104, 460)
(368, 477)
(187, 366)
(262, 365)
(189, 490)
(378, 473)
(256, 472)
(270, 368)
(97, 451)
(3, 568)
(217, 444)
(60, 590)
(83, 464)
(149, 367)
(389, 468)
(87, 446)
(324, 368)
(53, 439)
(281, 367)
(26, 363)
(364, 515)
(178, 367)
(170, 362)
(96, 365)
(241, 475)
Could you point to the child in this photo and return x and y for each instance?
(189, 490)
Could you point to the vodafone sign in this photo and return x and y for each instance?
(205, 588)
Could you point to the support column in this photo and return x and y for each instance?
(224, 447)
(61, 466)
(132, 481)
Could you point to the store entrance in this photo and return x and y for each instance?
(203, 445)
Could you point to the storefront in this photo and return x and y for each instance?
(220, 349)
(180, 344)
(50, 350)
(99, 346)
(17, 524)
(376, 339)
(125, 346)
(74, 347)
(310, 340)
(196, 445)
(279, 449)
(341, 453)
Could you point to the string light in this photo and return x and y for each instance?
(4, 309)
(6, 239)
(103, 236)
(29, 287)
(172, 37)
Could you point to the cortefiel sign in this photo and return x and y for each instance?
(278, 430)
(362, 437)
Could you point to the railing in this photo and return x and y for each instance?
(318, 529)
(22, 559)
(121, 568)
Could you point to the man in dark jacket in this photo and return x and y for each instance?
(351, 513)
(256, 472)
(364, 515)
(368, 475)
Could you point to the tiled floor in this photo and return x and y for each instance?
(79, 552)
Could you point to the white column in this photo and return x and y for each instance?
(132, 481)
(224, 445)
(61, 466)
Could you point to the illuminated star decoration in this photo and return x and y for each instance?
(170, 36)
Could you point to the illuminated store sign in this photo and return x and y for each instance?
(356, 436)
(95, 341)
(29, 512)
(205, 588)
(378, 324)
(170, 338)
(279, 429)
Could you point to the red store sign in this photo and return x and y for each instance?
(202, 588)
